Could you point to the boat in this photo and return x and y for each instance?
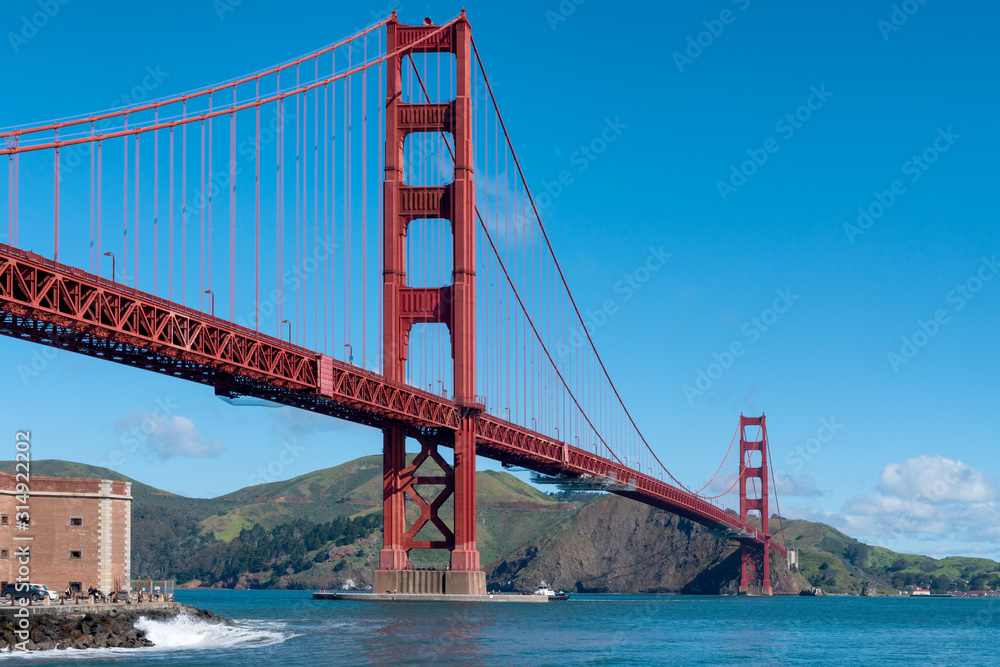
(545, 590)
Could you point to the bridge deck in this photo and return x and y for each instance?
(61, 306)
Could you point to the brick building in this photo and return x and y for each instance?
(80, 528)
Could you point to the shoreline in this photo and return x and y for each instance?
(72, 628)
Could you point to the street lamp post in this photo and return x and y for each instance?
(212, 294)
(350, 352)
(289, 329)
(112, 256)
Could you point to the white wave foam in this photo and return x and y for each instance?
(181, 632)
(186, 631)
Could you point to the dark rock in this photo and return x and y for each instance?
(96, 630)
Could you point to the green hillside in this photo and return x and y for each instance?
(323, 528)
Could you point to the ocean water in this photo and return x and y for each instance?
(289, 628)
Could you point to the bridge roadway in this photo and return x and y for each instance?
(61, 306)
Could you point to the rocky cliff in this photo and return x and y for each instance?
(616, 545)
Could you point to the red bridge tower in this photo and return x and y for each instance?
(452, 305)
(755, 573)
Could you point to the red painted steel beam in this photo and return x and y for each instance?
(60, 306)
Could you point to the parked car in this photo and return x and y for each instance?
(34, 592)
(48, 591)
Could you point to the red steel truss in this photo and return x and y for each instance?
(60, 306)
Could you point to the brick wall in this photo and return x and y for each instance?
(94, 553)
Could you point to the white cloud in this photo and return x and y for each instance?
(926, 497)
(167, 436)
(936, 479)
(795, 485)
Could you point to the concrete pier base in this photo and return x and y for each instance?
(430, 582)
(755, 590)
(427, 597)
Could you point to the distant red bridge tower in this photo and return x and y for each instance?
(755, 567)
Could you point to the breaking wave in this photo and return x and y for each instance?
(180, 633)
(185, 631)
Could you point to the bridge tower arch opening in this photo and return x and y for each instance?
(453, 305)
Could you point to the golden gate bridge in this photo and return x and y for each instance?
(364, 199)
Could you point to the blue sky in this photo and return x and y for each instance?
(748, 138)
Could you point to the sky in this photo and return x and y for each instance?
(820, 175)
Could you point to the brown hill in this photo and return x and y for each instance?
(616, 545)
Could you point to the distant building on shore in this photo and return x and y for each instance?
(80, 530)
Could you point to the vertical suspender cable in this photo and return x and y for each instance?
(281, 215)
(10, 203)
(56, 252)
(315, 245)
(211, 194)
(347, 199)
(17, 188)
(256, 213)
(333, 206)
(381, 171)
(125, 207)
(156, 194)
(277, 215)
(300, 224)
(184, 149)
(201, 285)
(97, 236)
(170, 261)
(135, 231)
(232, 211)
(301, 250)
(364, 204)
(93, 128)
(326, 214)
(296, 267)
